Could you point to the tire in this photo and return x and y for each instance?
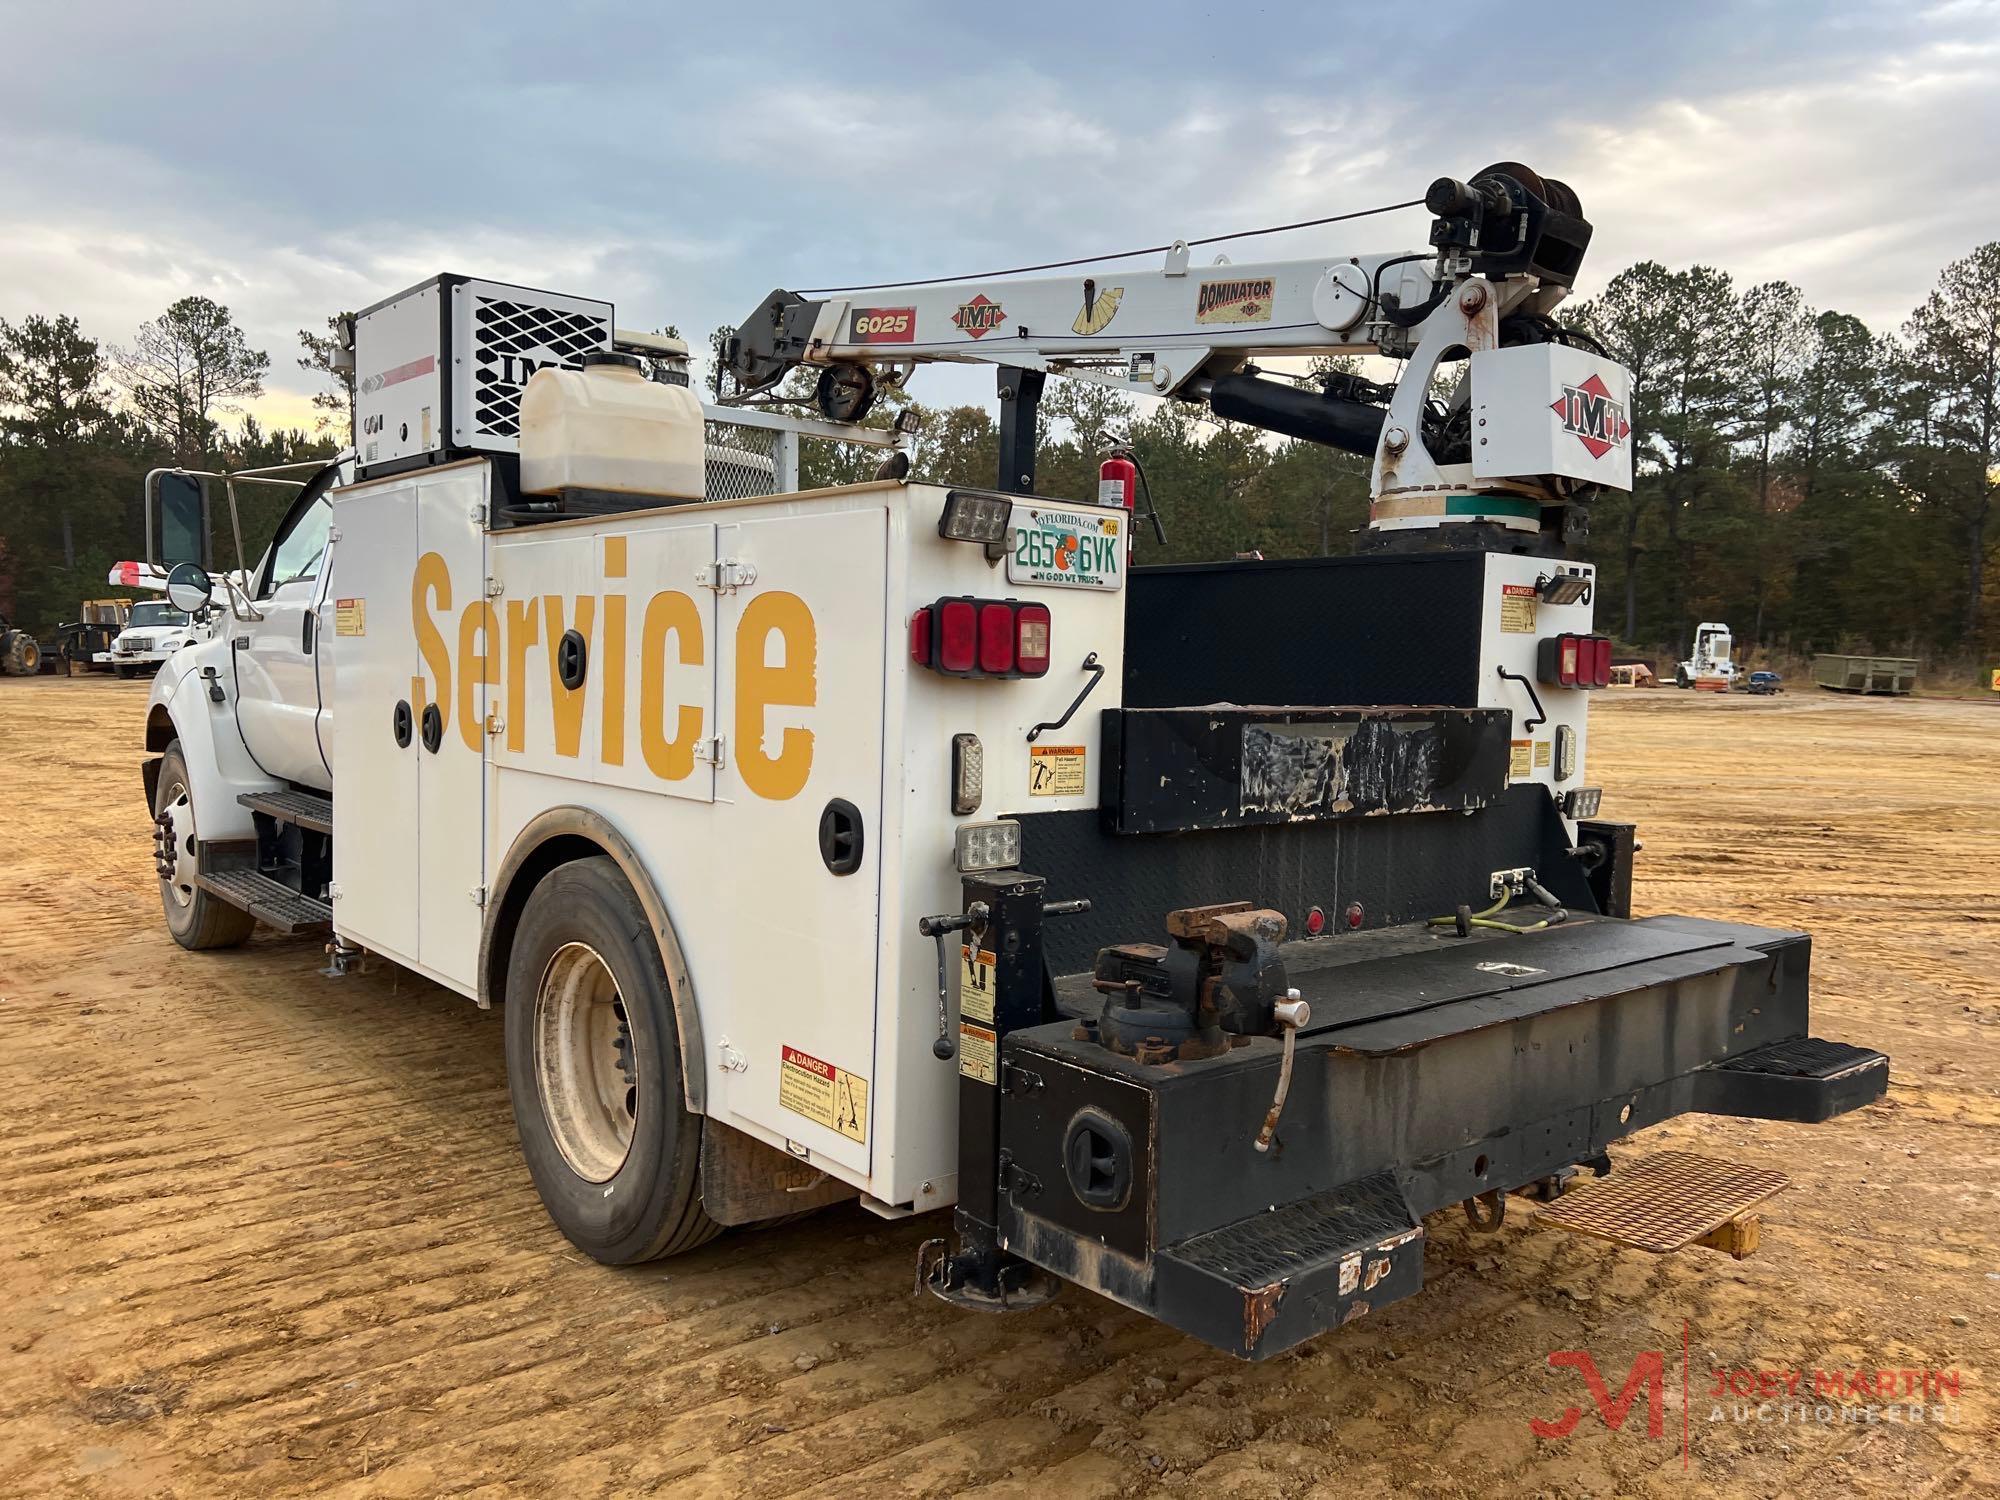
(196, 918)
(594, 1070)
(1681, 679)
(23, 657)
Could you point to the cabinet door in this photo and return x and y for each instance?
(801, 661)
(449, 595)
(375, 864)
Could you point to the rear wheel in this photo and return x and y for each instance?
(195, 917)
(594, 1068)
(23, 655)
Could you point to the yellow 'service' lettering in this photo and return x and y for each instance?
(668, 613)
(794, 682)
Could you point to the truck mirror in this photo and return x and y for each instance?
(180, 535)
(189, 589)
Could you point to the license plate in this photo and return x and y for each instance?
(1070, 549)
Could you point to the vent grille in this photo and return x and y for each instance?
(512, 340)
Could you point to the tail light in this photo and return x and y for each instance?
(981, 638)
(957, 632)
(1578, 661)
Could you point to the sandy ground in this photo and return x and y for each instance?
(265, 1233)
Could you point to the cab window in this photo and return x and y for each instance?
(298, 551)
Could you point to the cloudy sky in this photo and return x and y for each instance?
(292, 159)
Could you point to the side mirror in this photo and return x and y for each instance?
(189, 589)
(176, 506)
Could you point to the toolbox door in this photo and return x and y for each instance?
(377, 889)
(801, 687)
(451, 711)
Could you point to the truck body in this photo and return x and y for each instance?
(1193, 931)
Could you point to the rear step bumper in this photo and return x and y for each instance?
(1447, 1070)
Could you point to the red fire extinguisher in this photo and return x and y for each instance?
(1118, 484)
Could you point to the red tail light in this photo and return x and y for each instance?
(1031, 640)
(996, 639)
(957, 635)
(1578, 661)
(981, 638)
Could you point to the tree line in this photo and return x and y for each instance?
(1817, 484)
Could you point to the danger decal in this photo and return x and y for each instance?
(824, 1094)
(884, 325)
(980, 316)
(1588, 413)
(1244, 301)
(1517, 608)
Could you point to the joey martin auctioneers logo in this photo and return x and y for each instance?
(1742, 1395)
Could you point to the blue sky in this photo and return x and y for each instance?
(293, 158)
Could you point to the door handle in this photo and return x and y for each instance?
(400, 724)
(306, 631)
(433, 727)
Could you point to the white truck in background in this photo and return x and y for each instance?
(819, 845)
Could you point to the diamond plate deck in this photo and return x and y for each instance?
(1665, 1202)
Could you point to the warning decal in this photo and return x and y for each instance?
(350, 617)
(1517, 608)
(824, 1094)
(978, 1052)
(1520, 760)
(975, 983)
(1055, 771)
(1541, 754)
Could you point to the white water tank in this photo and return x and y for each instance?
(607, 428)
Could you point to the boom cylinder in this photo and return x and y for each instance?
(1340, 423)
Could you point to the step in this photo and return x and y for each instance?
(270, 902)
(1803, 1078)
(1665, 1202)
(307, 809)
(1262, 1284)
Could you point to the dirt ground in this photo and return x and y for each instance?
(267, 1233)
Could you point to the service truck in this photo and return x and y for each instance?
(1194, 932)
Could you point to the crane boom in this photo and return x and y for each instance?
(1536, 422)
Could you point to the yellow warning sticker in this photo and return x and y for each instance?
(1517, 608)
(1055, 771)
(975, 983)
(350, 617)
(978, 1052)
(1541, 754)
(1520, 760)
(827, 1095)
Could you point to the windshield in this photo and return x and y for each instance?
(155, 614)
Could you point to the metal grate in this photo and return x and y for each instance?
(510, 340)
(1804, 1057)
(742, 461)
(1664, 1202)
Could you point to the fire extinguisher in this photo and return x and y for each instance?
(1118, 484)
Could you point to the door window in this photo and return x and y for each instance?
(298, 551)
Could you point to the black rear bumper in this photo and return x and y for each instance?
(1436, 1069)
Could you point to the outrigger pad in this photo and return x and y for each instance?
(1665, 1202)
(1265, 1283)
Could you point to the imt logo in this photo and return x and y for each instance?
(1588, 411)
(516, 368)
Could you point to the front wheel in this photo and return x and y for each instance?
(594, 1069)
(197, 918)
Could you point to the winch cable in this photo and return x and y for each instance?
(1090, 260)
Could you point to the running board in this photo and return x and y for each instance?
(270, 902)
(308, 810)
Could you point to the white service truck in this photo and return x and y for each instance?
(820, 845)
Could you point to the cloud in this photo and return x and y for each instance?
(682, 162)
